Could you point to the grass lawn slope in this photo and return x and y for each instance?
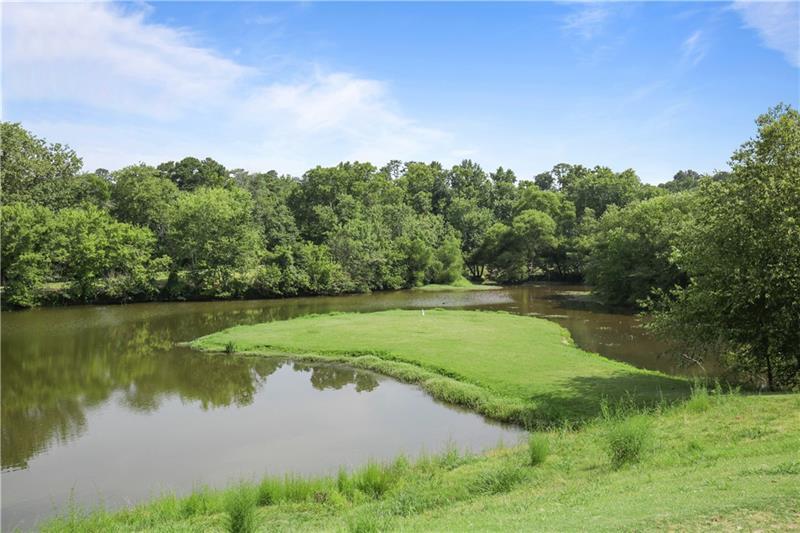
(508, 367)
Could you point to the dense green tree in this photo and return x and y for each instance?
(467, 180)
(516, 252)
(213, 236)
(633, 248)
(602, 187)
(271, 194)
(27, 232)
(472, 222)
(329, 196)
(561, 257)
(683, 180)
(425, 187)
(191, 173)
(33, 171)
(503, 194)
(743, 259)
(143, 196)
(100, 257)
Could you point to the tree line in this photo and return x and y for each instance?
(714, 258)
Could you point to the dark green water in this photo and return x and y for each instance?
(98, 404)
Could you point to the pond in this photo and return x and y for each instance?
(100, 405)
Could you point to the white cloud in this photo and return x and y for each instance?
(96, 55)
(694, 48)
(588, 21)
(777, 23)
(162, 95)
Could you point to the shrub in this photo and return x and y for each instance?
(240, 504)
(627, 440)
(230, 347)
(538, 448)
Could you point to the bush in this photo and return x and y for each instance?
(627, 440)
(538, 448)
(240, 505)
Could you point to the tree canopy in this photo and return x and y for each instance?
(715, 256)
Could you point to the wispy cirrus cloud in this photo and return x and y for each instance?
(148, 89)
(777, 23)
(587, 20)
(694, 48)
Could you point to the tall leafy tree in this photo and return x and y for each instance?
(33, 171)
(191, 173)
(503, 193)
(143, 196)
(743, 259)
(633, 249)
(271, 194)
(26, 245)
(213, 236)
(100, 256)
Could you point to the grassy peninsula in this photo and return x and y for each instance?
(511, 368)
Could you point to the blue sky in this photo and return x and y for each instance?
(656, 87)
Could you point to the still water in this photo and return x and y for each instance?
(100, 405)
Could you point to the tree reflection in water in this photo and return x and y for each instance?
(53, 373)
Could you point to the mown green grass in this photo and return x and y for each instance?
(731, 465)
(461, 285)
(512, 368)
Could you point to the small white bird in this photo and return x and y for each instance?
(423, 312)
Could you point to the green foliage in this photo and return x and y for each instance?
(538, 448)
(191, 173)
(742, 258)
(212, 234)
(144, 197)
(633, 249)
(515, 253)
(27, 231)
(33, 171)
(102, 257)
(718, 255)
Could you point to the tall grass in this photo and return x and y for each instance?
(538, 448)
(240, 505)
(627, 440)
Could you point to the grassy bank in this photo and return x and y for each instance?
(462, 285)
(508, 367)
(716, 462)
